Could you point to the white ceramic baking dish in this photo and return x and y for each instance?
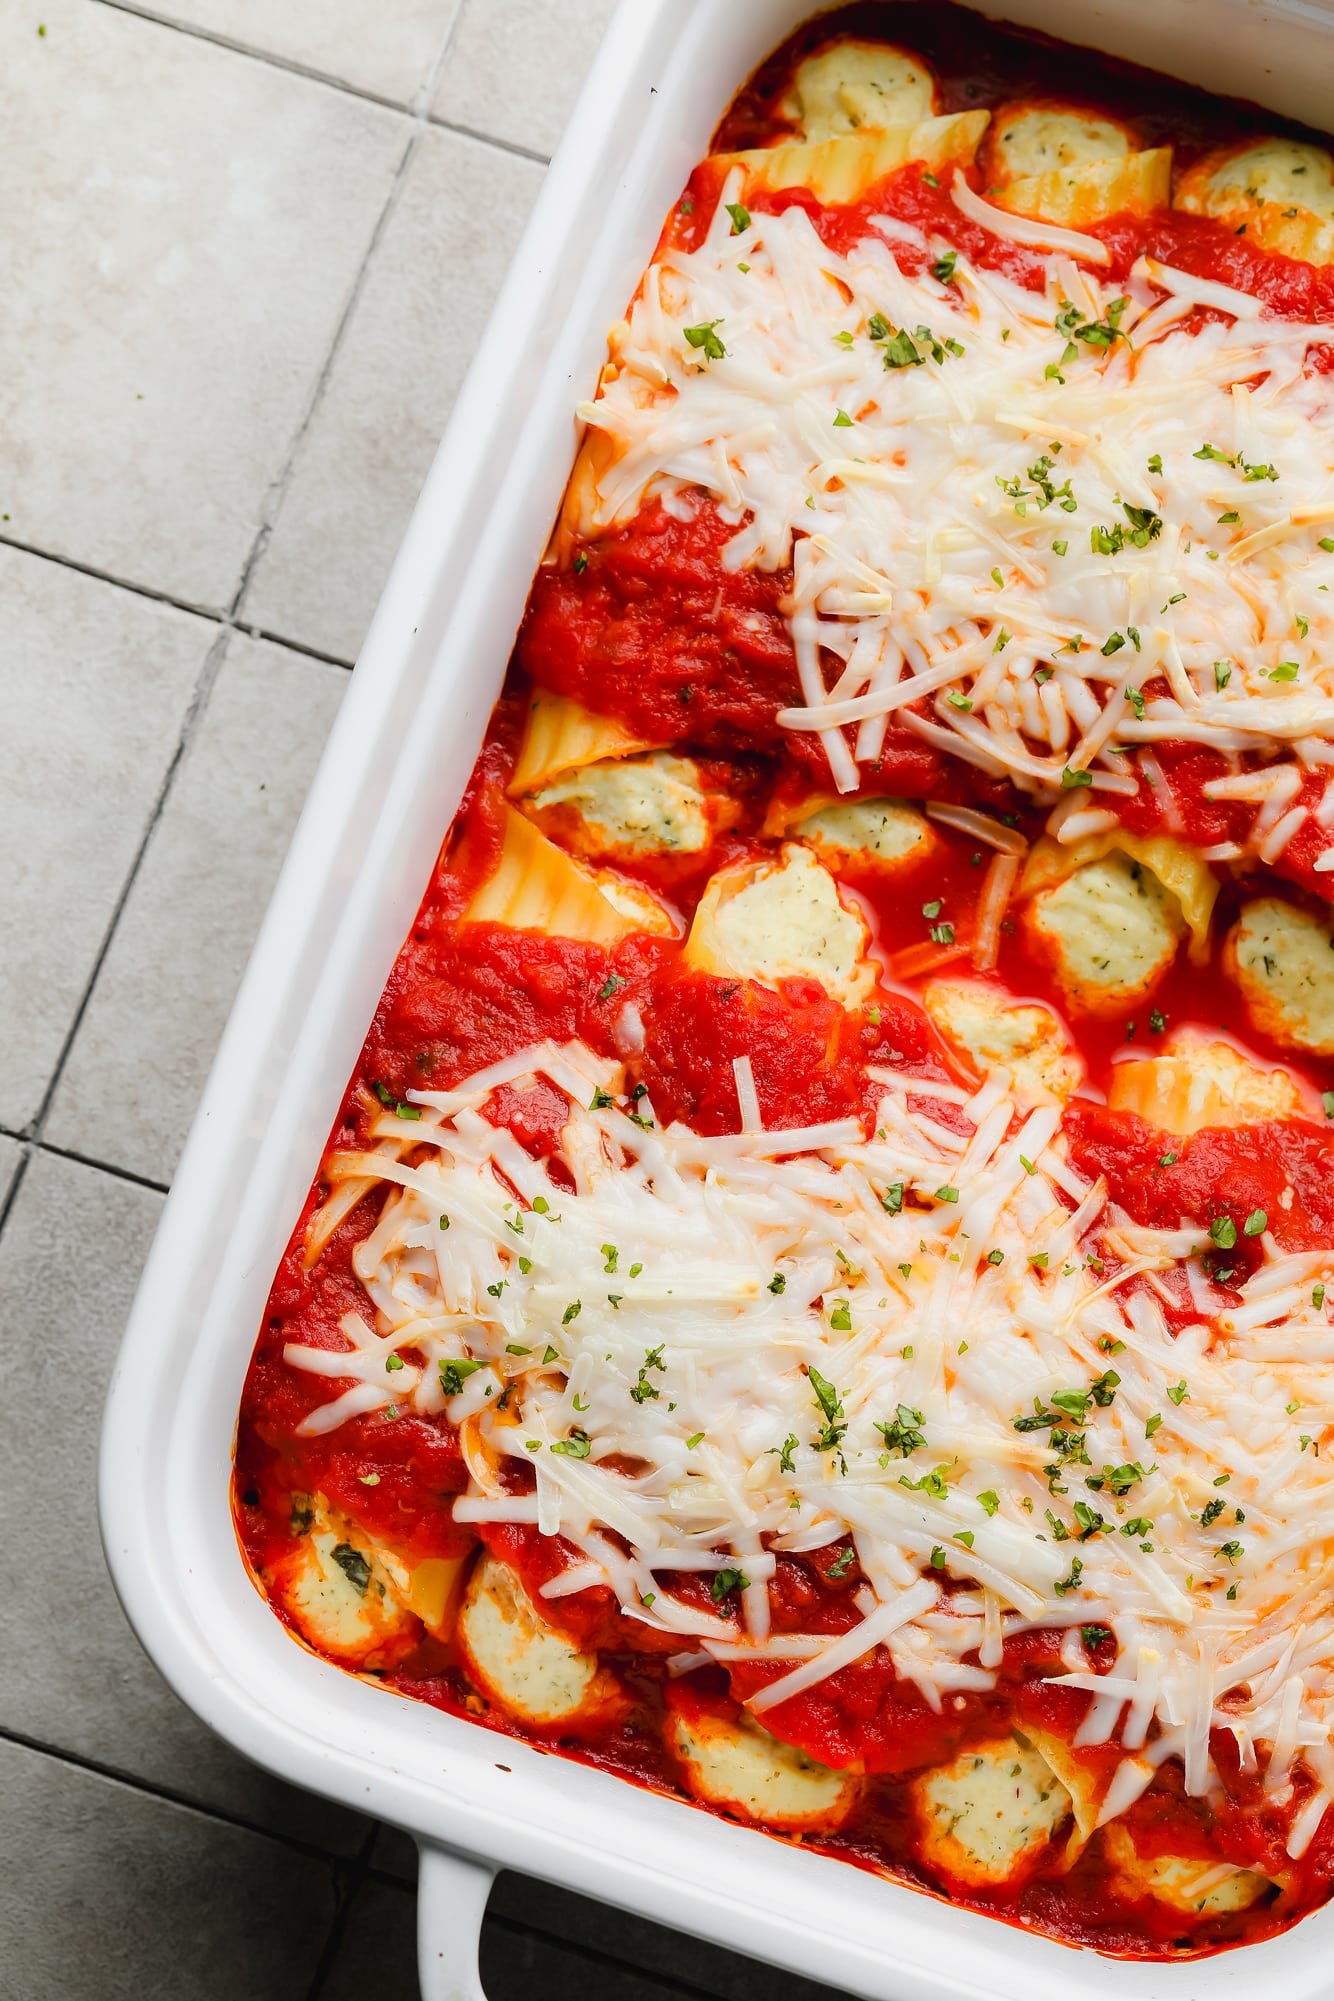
(385, 792)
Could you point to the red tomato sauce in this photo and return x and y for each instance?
(651, 625)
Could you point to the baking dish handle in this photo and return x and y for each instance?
(452, 1891)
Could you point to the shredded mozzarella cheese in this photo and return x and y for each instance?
(1007, 511)
(939, 1341)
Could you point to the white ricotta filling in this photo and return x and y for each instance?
(1282, 958)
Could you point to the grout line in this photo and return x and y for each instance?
(349, 1890)
(271, 57)
(152, 1789)
(85, 1160)
(670, 1983)
(425, 97)
(11, 1194)
(212, 616)
(203, 687)
(295, 646)
(277, 492)
(415, 111)
(226, 623)
(416, 118)
(489, 139)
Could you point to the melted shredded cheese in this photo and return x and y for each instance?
(939, 1340)
(1049, 500)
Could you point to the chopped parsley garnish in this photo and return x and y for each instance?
(1070, 1582)
(943, 268)
(935, 1483)
(453, 1375)
(902, 1433)
(831, 1404)
(1043, 491)
(1144, 527)
(706, 337)
(740, 215)
(643, 1390)
(577, 1446)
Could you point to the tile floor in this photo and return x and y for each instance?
(248, 247)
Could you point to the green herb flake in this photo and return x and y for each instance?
(577, 1446)
(453, 1374)
(706, 337)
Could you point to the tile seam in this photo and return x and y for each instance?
(271, 60)
(70, 1153)
(168, 1796)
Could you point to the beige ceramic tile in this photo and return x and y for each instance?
(71, 1673)
(10, 1155)
(143, 1049)
(110, 1895)
(514, 67)
(94, 687)
(184, 228)
(428, 288)
(386, 47)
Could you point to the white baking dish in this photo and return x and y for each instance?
(385, 792)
